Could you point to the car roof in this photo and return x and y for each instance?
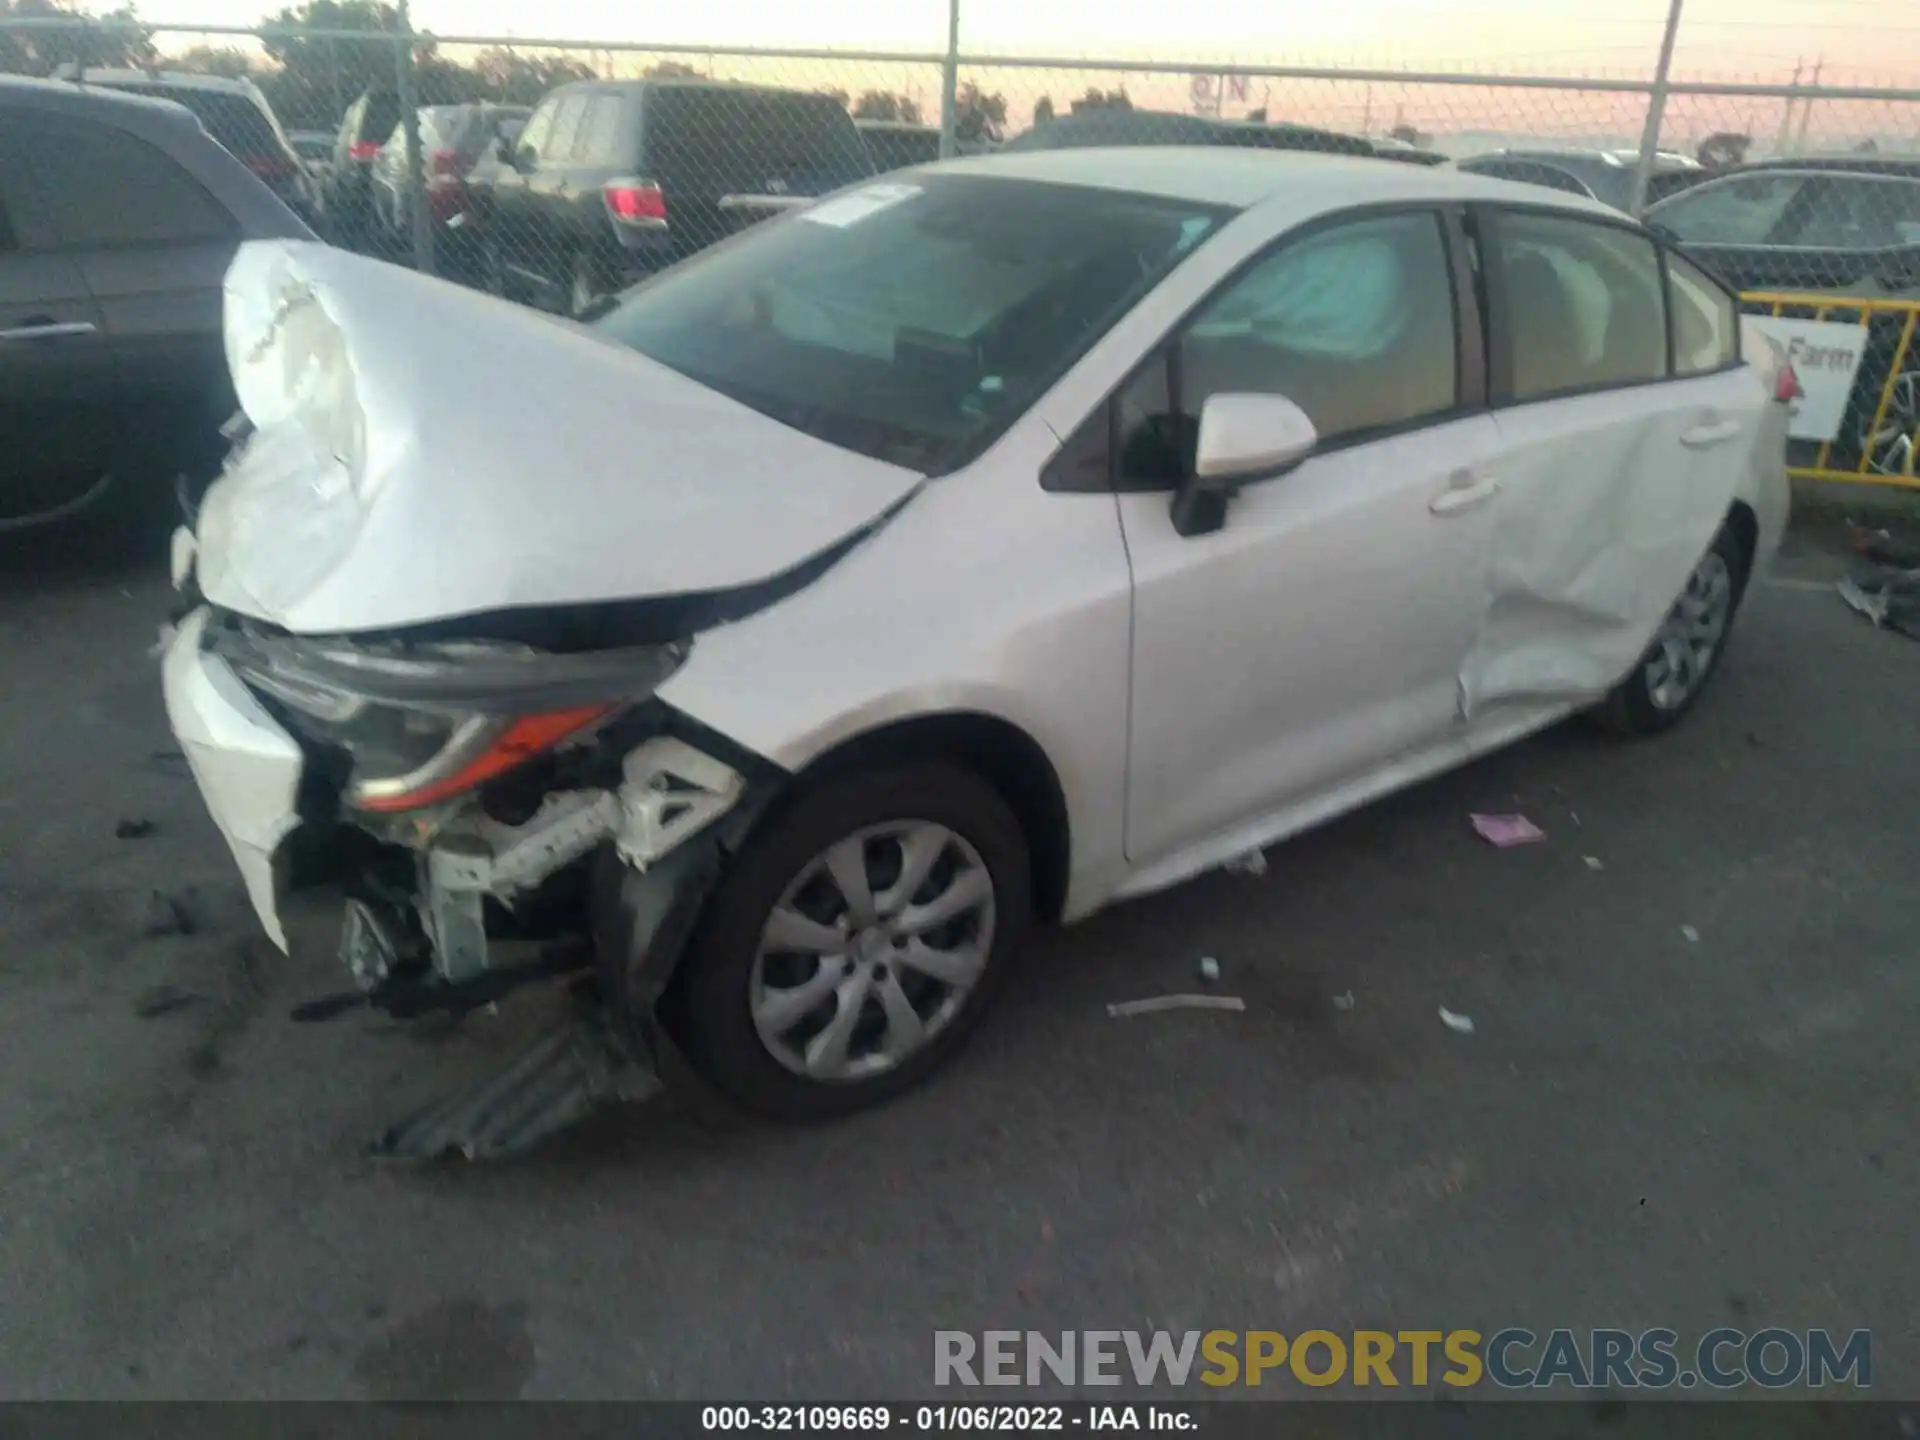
(1901, 165)
(1247, 177)
(173, 79)
(65, 97)
(896, 127)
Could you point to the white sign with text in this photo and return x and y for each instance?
(1826, 356)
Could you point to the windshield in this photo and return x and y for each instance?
(911, 321)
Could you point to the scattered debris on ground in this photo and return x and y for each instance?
(1343, 1002)
(1153, 1005)
(169, 914)
(1253, 862)
(1689, 934)
(1209, 969)
(1503, 831)
(163, 1000)
(1459, 1024)
(133, 829)
(1594, 862)
(1886, 586)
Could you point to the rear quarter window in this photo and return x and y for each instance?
(105, 188)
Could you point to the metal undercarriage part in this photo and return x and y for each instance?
(654, 855)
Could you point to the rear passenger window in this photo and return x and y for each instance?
(1581, 302)
(537, 128)
(1353, 324)
(1706, 323)
(599, 142)
(566, 128)
(104, 188)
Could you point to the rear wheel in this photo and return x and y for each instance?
(856, 940)
(1686, 649)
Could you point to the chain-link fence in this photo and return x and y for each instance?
(555, 173)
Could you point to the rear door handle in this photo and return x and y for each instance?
(39, 329)
(1463, 493)
(1715, 433)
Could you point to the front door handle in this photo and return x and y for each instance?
(1701, 436)
(1463, 493)
(46, 328)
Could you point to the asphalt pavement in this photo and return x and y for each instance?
(1688, 1098)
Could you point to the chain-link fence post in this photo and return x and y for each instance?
(1656, 112)
(950, 86)
(416, 163)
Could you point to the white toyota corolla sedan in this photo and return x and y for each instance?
(971, 549)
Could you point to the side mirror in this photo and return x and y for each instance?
(1242, 438)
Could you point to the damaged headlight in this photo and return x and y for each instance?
(419, 724)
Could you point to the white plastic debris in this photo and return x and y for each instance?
(1343, 1002)
(1253, 862)
(1506, 831)
(1690, 935)
(1154, 1004)
(1593, 862)
(1459, 1024)
(1209, 969)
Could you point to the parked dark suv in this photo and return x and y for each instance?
(118, 217)
(610, 181)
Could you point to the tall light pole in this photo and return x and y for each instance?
(1656, 111)
(416, 165)
(950, 85)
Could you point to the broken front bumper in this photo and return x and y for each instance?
(247, 766)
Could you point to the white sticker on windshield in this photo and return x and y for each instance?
(844, 210)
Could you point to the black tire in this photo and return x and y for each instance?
(1631, 708)
(584, 275)
(706, 1008)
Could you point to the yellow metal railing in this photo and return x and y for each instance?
(1883, 458)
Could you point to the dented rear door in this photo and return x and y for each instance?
(1614, 474)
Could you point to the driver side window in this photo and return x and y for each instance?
(534, 135)
(1353, 323)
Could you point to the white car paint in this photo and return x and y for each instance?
(424, 451)
(1382, 612)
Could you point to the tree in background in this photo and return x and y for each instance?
(222, 60)
(671, 70)
(978, 116)
(1257, 117)
(1098, 99)
(884, 105)
(315, 79)
(119, 41)
(1043, 110)
(516, 79)
(1723, 149)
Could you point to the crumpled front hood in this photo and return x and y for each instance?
(422, 452)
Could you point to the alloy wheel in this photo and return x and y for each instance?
(1690, 636)
(872, 950)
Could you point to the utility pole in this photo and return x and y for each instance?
(1786, 111)
(416, 164)
(950, 86)
(1656, 111)
(1806, 109)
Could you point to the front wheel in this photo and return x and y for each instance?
(1686, 649)
(857, 939)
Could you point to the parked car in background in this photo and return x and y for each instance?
(1603, 175)
(972, 549)
(346, 190)
(453, 138)
(611, 180)
(896, 144)
(1845, 225)
(234, 112)
(118, 217)
(1108, 126)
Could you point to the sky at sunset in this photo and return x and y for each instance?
(1859, 39)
